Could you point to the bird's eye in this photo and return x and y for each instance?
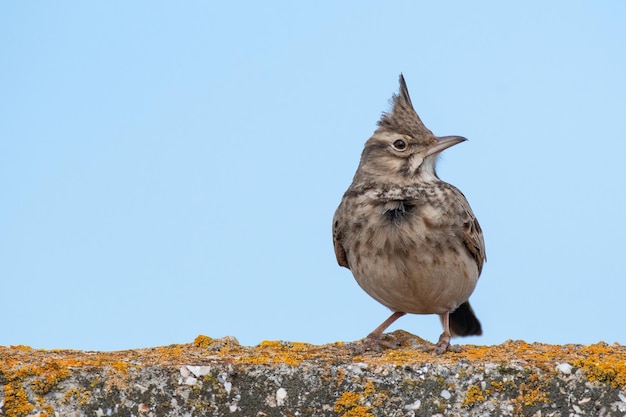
(399, 145)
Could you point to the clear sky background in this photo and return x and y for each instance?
(169, 169)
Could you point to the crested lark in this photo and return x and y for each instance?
(410, 239)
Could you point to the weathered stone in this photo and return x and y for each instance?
(218, 377)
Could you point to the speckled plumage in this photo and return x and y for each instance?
(411, 240)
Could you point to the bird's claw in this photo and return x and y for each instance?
(443, 346)
(375, 343)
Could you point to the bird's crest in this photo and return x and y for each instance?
(402, 117)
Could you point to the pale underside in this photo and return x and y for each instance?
(415, 263)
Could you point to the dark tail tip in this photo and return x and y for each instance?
(463, 321)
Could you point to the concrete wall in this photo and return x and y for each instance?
(218, 377)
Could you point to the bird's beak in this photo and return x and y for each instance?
(444, 143)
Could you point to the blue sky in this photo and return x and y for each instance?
(171, 169)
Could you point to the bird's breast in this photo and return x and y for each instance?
(407, 256)
(396, 211)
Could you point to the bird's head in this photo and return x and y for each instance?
(402, 148)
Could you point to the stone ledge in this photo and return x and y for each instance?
(218, 377)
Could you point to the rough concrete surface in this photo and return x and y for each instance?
(218, 377)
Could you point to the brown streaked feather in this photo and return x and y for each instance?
(472, 234)
(402, 118)
(340, 252)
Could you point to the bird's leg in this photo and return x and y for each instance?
(374, 341)
(378, 332)
(444, 340)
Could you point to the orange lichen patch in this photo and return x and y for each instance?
(474, 395)
(47, 411)
(43, 376)
(288, 353)
(16, 401)
(23, 348)
(339, 377)
(369, 389)
(603, 363)
(49, 378)
(355, 404)
(79, 395)
(203, 341)
(540, 355)
(496, 386)
(123, 366)
(600, 362)
(349, 405)
(532, 392)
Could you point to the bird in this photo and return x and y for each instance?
(411, 240)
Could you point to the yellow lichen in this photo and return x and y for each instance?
(339, 377)
(358, 404)
(74, 394)
(275, 351)
(369, 389)
(203, 341)
(603, 364)
(531, 396)
(23, 348)
(497, 385)
(48, 411)
(16, 401)
(530, 393)
(350, 404)
(270, 343)
(49, 376)
(121, 366)
(474, 395)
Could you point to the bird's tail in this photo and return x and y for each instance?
(463, 321)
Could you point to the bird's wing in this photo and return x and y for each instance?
(340, 252)
(473, 234)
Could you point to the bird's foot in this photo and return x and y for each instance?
(375, 342)
(443, 345)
